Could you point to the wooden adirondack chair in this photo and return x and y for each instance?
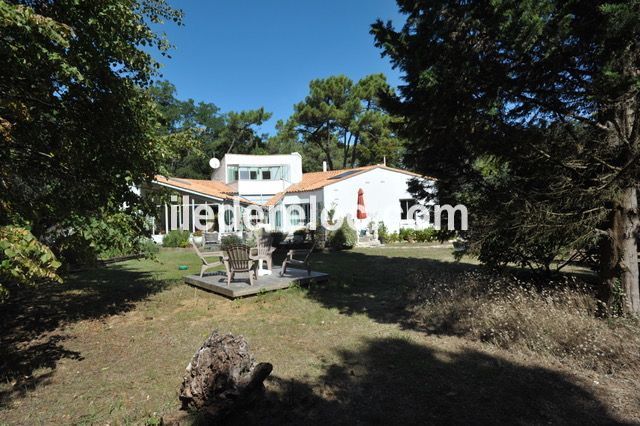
(264, 251)
(210, 239)
(303, 259)
(238, 259)
(206, 264)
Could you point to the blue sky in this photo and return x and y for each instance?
(244, 54)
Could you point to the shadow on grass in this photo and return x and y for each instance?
(30, 337)
(374, 285)
(379, 286)
(395, 381)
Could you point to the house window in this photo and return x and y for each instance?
(295, 218)
(405, 205)
(257, 173)
(255, 218)
(232, 173)
(299, 218)
(307, 212)
(228, 217)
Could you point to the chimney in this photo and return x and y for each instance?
(384, 160)
(324, 166)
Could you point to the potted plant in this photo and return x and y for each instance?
(196, 237)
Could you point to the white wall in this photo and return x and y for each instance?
(297, 198)
(293, 160)
(260, 190)
(383, 190)
(220, 173)
(264, 188)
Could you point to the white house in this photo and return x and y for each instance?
(276, 182)
(258, 177)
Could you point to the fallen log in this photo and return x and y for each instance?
(222, 377)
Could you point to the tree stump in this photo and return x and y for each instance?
(221, 377)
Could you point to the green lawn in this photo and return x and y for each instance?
(110, 346)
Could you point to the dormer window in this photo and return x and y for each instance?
(235, 173)
(232, 173)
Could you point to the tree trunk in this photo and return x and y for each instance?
(619, 256)
(354, 149)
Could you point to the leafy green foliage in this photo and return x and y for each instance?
(359, 132)
(344, 237)
(230, 240)
(407, 234)
(24, 260)
(69, 71)
(105, 236)
(383, 233)
(199, 131)
(77, 127)
(277, 238)
(176, 238)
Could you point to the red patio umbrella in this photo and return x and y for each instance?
(362, 213)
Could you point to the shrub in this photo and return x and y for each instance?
(24, 260)
(81, 241)
(426, 235)
(230, 240)
(176, 238)
(300, 235)
(383, 235)
(321, 237)
(393, 237)
(557, 320)
(277, 238)
(344, 237)
(407, 234)
(251, 239)
(148, 248)
(75, 250)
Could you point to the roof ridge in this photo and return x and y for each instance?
(343, 170)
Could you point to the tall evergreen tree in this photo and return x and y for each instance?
(533, 103)
(344, 120)
(199, 131)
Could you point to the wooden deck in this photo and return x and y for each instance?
(217, 282)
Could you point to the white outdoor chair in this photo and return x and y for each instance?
(206, 264)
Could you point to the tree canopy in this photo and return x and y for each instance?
(340, 122)
(528, 111)
(200, 131)
(344, 121)
(77, 127)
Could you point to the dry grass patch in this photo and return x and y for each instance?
(557, 320)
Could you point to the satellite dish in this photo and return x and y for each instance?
(214, 163)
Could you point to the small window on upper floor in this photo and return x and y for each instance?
(232, 173)
(266, 174)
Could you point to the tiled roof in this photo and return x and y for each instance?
(309, 182)
(317, 180)
(206, 187)
(275, 199)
